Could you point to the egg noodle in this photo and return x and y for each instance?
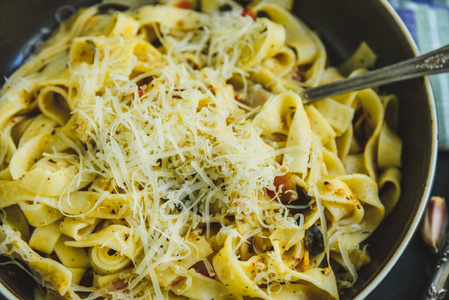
(165, 153)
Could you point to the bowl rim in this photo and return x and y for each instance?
(394, 258)
(7, 293)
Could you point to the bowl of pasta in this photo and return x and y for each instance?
(162, 150)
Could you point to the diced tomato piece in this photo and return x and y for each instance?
(141, 91)
(283, 185)
(182, 4)
(246, 11)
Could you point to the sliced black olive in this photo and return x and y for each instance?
(300, 204)
(303, 198)
(284, 185)
(302, 209)
(314, 240)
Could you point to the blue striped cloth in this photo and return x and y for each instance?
(428, 22)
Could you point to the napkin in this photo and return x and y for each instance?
(428, 22)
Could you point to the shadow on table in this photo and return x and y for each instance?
(408, 279)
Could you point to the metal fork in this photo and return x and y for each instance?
(434, 62)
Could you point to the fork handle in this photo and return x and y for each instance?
(438, 280)
(434, 62)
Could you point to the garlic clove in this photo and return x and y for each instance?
(433, 226)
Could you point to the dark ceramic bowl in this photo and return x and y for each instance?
(342, 25)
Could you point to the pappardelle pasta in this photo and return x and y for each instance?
(165, 153)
